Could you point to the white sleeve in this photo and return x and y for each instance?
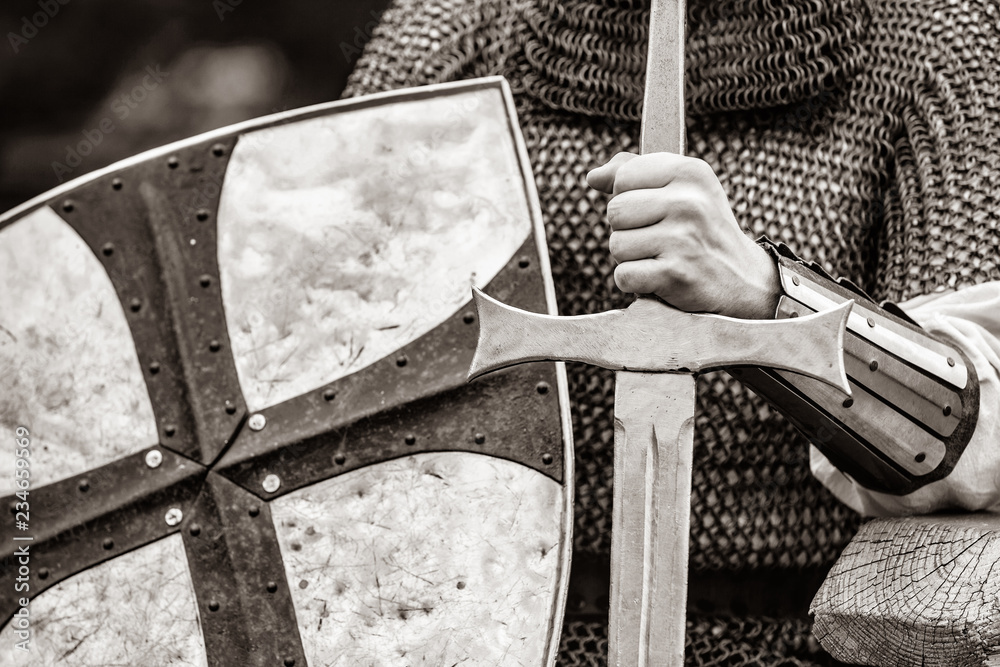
(969, 319)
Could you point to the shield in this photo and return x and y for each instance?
(236, 423)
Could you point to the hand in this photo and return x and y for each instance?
(674, 235)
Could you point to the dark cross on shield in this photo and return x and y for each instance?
(240, 364)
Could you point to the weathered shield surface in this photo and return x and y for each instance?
(238, 364)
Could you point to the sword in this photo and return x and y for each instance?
(655, 349)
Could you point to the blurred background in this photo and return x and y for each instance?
(84, 83)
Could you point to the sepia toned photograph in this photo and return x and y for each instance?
(519, 333)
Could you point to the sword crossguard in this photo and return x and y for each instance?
(650, 336)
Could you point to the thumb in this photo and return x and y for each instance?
(603, 178)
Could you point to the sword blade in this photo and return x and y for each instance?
(654, 417)
(663, 100)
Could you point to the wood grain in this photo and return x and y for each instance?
(915, 591)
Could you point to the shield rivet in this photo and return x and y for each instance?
(84, 486)
(480, 438)
(205, 280)
(272, 587)
(524, 262)
(195, 529)
(547, 459)
(68, 205)
(339, 459)
(202, 214)
(218, 150)
(257, 422)
(154, 368)
(173, 516)
(108, 249)
(43, 573)
(230, 408)
(213, 606)
(289, 662)
(411, 439)
(542, 388)
(271, 483)
(254, 510)
(170, 430)
(117, 184)
(154, 458)
(214, 346)
(329, 395)
(401, 360)
(135, 305)
(108, 544)
(172, 162)
(468, 318)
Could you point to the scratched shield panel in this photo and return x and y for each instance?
(238, 363)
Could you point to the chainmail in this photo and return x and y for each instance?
(860, 134)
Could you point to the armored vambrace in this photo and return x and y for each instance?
(915, 400)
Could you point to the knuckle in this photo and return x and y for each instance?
(614, 212)
(625, 278)
(615, 244)
(630, 173)
(699, 170)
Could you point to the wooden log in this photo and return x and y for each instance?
(915, 591)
